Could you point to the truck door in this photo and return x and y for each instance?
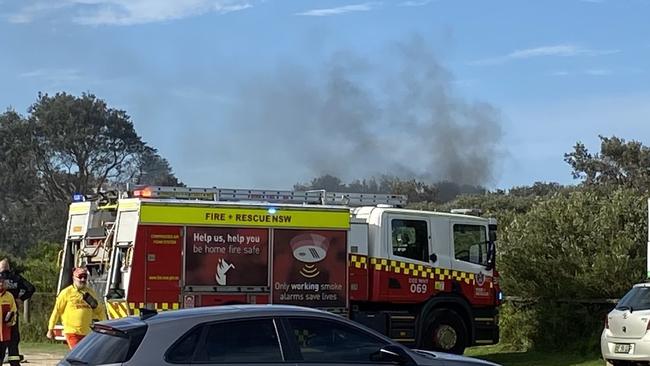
(163, 265)
(470, 250)
(409, 270)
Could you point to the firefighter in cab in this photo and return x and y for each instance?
(22, 290)
(78, 306)
(7, 318)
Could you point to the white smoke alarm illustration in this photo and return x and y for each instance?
(309, 249)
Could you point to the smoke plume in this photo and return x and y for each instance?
(354, 118)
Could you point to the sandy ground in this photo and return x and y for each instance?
(42, 358)
(42, 354)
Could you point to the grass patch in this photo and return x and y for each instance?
(31, 347)
(508, 357)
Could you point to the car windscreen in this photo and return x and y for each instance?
(638, 298)
(106, 347)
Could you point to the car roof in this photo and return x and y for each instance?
(235, 312)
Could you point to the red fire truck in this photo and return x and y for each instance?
(426, 279)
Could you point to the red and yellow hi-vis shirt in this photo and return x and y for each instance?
(75, 313)
(7, 305)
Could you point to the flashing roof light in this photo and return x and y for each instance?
(272, 210)
(142, 193)
(78, 197)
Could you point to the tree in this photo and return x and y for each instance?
(19, 184)
(81, 143)
(153, 169)
(586, 244)
(327, 182)
(619, 162)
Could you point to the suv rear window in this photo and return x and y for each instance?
(106, 347)
(638, 298)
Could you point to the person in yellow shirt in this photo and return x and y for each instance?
(7, 318)
(78, 306)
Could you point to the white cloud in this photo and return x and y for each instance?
(561, 50)
(127, 12)
(55, 76)
(598, 72)
(589, 72)
(339, 10)
(33, 9)
(416, 2)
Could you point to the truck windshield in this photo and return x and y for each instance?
(638, 298)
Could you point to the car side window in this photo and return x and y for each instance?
(327, 341)
(183, 350)
(240, 341)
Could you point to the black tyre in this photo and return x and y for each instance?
(445, 332)
(621, 363)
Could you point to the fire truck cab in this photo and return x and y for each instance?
(426, 279)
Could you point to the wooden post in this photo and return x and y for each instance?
(26, 310)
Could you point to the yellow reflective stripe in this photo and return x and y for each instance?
(116, 309)
(358, 261)
(128, 204)
(79, 207)
(255, 217)
(414, 270)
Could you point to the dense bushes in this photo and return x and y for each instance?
(564, 254)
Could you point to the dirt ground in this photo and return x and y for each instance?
(44, 354)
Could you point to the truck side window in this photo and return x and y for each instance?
(410, 239)
(470, 243)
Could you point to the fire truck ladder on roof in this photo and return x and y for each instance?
(315, 197)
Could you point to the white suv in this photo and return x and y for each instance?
(625, 339)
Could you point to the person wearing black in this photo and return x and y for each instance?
(22, 290)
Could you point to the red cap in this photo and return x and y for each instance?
(79, 271)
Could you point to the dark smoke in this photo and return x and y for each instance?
(355, 118)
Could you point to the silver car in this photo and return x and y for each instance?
(625, 339)
(246, 334)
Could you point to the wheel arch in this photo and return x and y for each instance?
(453, 302)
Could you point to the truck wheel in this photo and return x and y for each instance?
(445, 332)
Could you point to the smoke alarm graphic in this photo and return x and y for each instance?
(309, 249)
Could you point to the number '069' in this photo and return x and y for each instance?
(418, 288)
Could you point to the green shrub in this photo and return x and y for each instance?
(587, 244)
(40, 308)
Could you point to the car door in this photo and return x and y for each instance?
(317, 342)
(242, 342)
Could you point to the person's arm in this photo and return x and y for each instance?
(59, 307)
(26, 288)
(99, 313)
(14, 311)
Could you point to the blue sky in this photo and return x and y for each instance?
(266, 93)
